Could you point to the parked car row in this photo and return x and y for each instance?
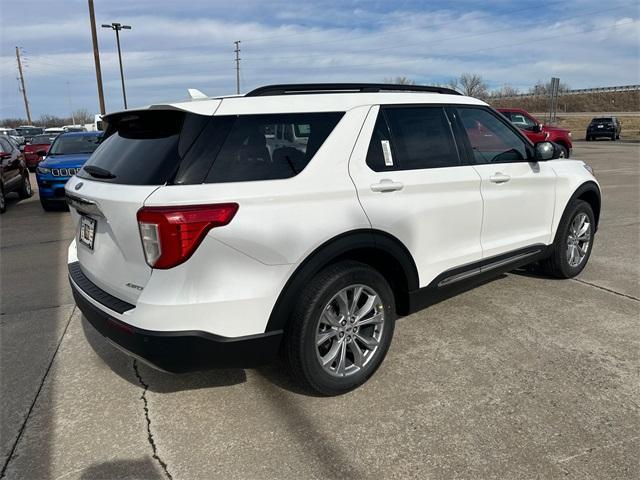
(54, 158)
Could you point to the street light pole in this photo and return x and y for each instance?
(117, 27)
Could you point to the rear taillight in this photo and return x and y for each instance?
(170, 235)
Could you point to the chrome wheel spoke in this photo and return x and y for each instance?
(342, 359)
(343, 303)
(324, 336)
(373, 320)
(354, 301)
(331, 355)
(330, 318)
(358, 355)
(372, 300)
(369, 343)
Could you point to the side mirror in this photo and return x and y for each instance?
(41, 153)
(538, 128)
(546, 151)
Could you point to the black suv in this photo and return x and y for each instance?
(14, 176)
(604, 127)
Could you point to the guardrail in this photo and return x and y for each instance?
(621, 88)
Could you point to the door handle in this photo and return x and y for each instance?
(499, 177)
(386, 185)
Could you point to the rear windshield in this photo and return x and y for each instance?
(74, 144)
(158, 147)
(602, 120)
(29, 131)
(42, 139)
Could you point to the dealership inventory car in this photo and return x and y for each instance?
(35, 150)
(14, 176)
(608, 127)
(536, 131)
(204, 240)
(28, 131)
(12, 133)
(66, 155)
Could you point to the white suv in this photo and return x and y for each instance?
(205, 241)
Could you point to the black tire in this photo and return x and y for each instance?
(557, 265)
(3, 203)
(564, 153)
(613, 137)
(300, 350)
(47, 205)
(25, 189)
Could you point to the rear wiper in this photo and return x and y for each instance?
(98, 172)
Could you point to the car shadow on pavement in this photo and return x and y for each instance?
(158, 381)
(139, 468)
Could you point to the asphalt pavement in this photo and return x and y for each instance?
(523, 377)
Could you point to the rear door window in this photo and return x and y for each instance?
(420, 137)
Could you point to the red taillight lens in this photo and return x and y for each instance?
(170, 235)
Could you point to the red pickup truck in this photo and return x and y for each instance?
(536, 131)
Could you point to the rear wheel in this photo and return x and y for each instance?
(573, 243)
(613, 137)
(25, 189)
(341, 328)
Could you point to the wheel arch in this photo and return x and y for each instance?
(376, 248)
(590, 193)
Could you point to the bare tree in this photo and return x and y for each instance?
(472, 85)
(505, 91)
(83, 116)
(400, 81)
(542, 88)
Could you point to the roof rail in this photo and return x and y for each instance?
(313, 88)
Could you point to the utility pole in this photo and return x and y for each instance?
(96, 56)
(117, 27)
(237, 50)
(73, 118)
(23, 89)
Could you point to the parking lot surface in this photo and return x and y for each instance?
(522, 377)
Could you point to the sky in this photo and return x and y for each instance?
(175, 45)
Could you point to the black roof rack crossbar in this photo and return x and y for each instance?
(312, 88)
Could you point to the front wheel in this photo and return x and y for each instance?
(564, 152)
(341, 328)
(573, 243)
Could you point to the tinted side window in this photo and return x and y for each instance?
(251, 151)
(421, 137)
(491, 140)
(380, 156)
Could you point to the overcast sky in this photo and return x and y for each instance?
(175, 45)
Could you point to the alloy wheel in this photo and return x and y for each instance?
(578, 239)
(349, 330)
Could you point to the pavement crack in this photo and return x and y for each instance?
(630, 297)
(3, 472)
(145, 402)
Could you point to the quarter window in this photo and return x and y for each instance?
(492, 141)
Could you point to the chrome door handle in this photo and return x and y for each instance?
(499, 177)
(386, 185)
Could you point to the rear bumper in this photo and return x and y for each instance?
(176, 351)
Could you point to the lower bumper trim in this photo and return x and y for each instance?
(181, 351)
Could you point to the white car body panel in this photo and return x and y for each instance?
(437, 210)
(519, 212)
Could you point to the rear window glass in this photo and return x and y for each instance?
(602, 120)
(162, 146)
(140, 148)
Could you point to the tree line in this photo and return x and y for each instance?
(81, 117)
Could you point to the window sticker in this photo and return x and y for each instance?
(386, 152)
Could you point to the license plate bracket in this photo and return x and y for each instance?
(87, 233)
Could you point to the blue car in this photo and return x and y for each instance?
(66, 156)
